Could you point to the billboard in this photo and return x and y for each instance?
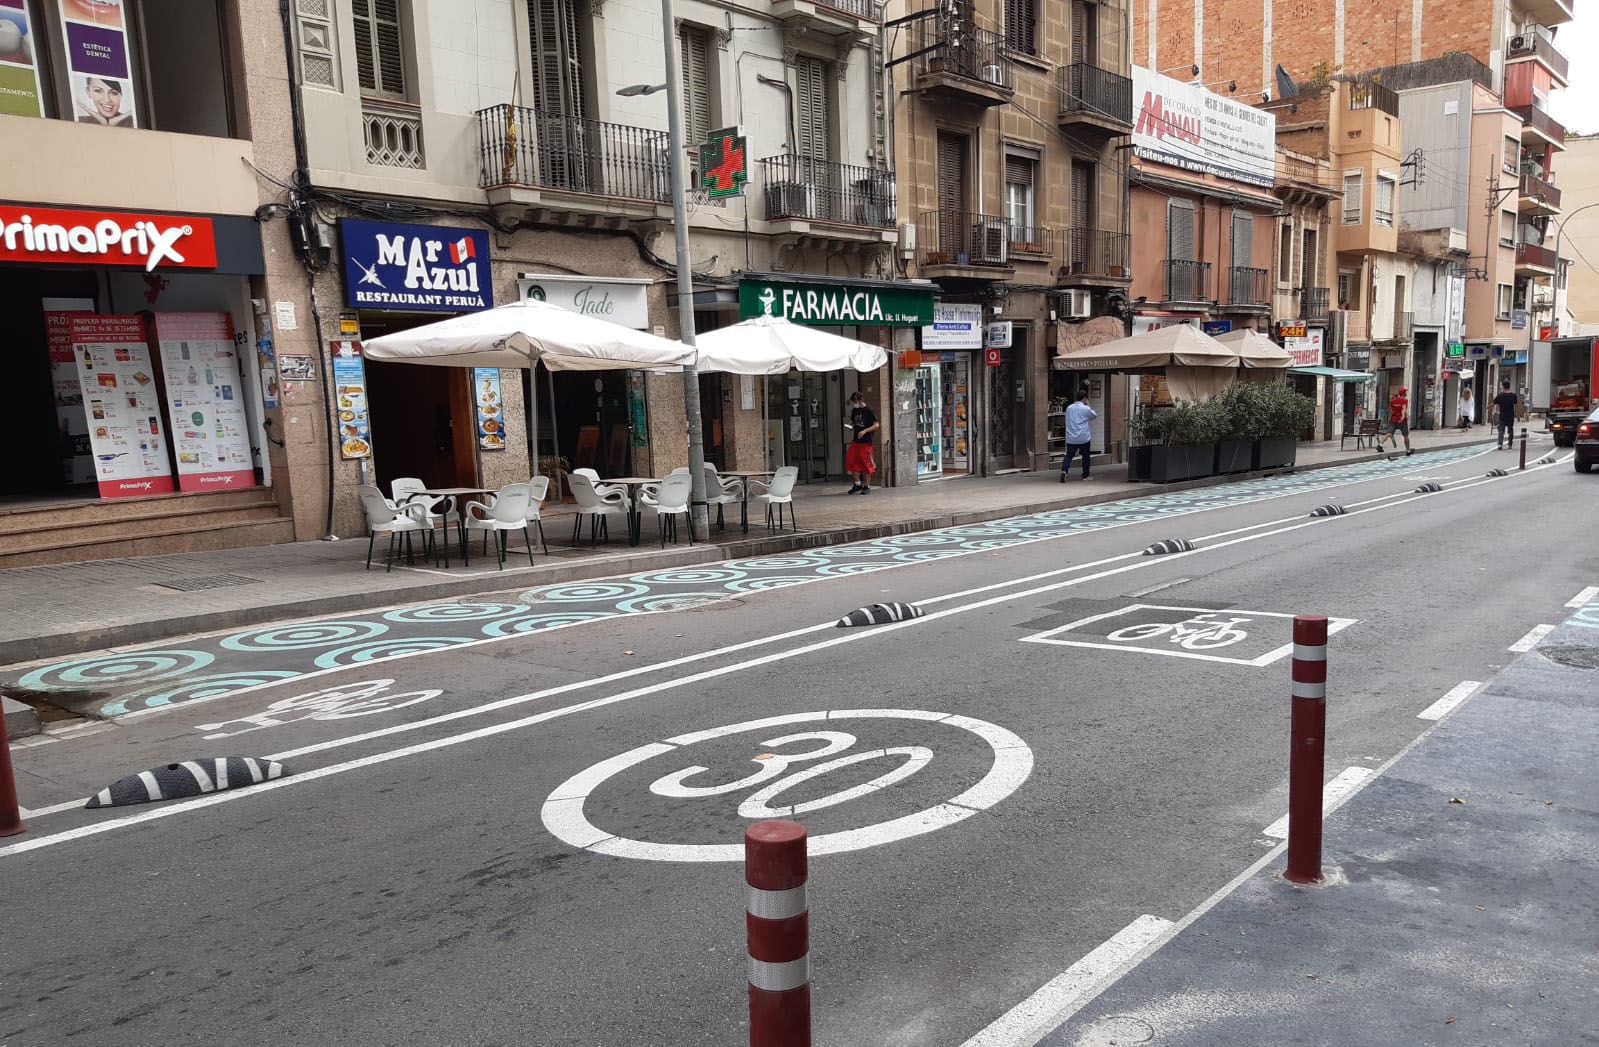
(415, 268)
(1186, 126)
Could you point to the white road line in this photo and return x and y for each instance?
(1028, 1021)
(55, 808)
(1337, 791)
(1533, 638)
(1157, 588)
(492, 730)
(1584, 598)
(1446, 705)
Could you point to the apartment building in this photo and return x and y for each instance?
(1304, 261)
(1580, 233)
(142, 408)
(1008, 119)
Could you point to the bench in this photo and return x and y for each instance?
(1366, 434)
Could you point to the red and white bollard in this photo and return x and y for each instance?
(1307, 751)
(10, 814)
(777, 921)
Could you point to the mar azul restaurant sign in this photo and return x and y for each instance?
(836, 304)
(415, 268)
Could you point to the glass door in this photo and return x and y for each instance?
(956, 421)
(929, 420)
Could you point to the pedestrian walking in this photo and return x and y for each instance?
(1398, 420)
(1467, 410)
(858, 460)
(1505, 416)
(1079, 437)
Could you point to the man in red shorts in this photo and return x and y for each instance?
(858, 460)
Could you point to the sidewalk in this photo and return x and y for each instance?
(77, 607)
(1464, 908)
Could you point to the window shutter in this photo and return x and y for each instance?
(1353, 206)
(1082, 202)
(1019, 171)
(379, 57)
(557, 46)
(1243, 241)
(951, 172)
(696, 85)
(1180, 231)
(1084, 28)
(1021, 20)
(814, 118)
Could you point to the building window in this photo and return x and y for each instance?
(814, 128)
(1180, 230)
(1020, 201)
(1503, 300)
(1285, 254)
(1387, 189)
(1021, 26)
(1507, 229)
(379, 48)
(694, 44)
(1512, 154)
(556, 39)
(1346, 289)
(1353, 183)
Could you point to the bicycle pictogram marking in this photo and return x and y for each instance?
(330, 703)
(1232, 636)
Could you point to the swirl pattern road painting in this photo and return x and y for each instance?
(162, 676)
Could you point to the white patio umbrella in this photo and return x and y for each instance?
(768, 345)
(1256, 350)
(525, 334)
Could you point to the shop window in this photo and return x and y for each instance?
(1354, 182)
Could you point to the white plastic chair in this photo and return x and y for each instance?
(668, 501)
(601, 487)
(440, 510)
(384, 517)
(508, 513)
(722, 491)
(778, 493)
(599, 508)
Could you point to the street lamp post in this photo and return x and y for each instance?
(699, 521)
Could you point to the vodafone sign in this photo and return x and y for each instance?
(145, 241)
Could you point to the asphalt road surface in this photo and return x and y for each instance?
(516, 834)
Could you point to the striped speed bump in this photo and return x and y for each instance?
(1547, 459)
(177, 781)
(1328, 510)
(881, 614)
(1169, 546)
(1497, 472)
(1429, 487)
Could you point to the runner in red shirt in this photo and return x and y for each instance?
(1399, 420)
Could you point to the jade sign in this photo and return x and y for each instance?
(836, 304)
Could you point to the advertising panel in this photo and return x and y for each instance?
(349, 390)
(621, 301)
(19, 69)
(101, 76)
(205, 401)
(415, 268)
(490, 422)
(1184, 125)
(121, 406)
(954, 327)
(77, 463)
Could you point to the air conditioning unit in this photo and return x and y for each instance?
(991, 242)
(1521, 43)
(1079, 305)
(994, 74)
(790, 200)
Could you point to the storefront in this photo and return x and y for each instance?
(126, 350)
(410, 421)
(805, 411)
(1307, 346)
(946, 392)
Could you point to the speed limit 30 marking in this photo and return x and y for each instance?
(816, 754)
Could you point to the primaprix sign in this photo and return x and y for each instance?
(146, 241)
(1186, 126)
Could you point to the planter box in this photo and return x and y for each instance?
(1183, 462)
(1138, 464)
(1234, 456)
(1274, 452)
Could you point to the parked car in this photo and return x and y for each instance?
(1587, 442)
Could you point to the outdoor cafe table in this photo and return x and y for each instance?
(460, 494)
(634, 485)
(746, 475)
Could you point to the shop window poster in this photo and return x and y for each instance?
(490, 408)
(205, 401)
(120, 402)
(349, 391)
(77, 461)
(19, 68)
(98, 67)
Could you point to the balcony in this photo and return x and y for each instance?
(1369, 95)
(857, 18)
(1094, 99)
(1248, 289)
(1537, 196)
(825, 201)
(1535, 260)
(1537, 126)
(1548, 12)
(960, 244)
(961, 64)
(1535, 46)
(1187, 282)
(557, 166)
(1404, 327)
(1313, 303)
(1093, 257)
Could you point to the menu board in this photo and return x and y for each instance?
(490, 408)
(95, 35)
(120, 402)
(19, 64)
(77, 463)
(205, 401)
(349, 392)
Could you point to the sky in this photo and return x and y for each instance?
(1577, 107)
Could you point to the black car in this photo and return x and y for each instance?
(1587, 444)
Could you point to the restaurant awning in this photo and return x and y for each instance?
(1337, 374)
(1180, 345)
(1255, 349)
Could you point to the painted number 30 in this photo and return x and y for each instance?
(775, 765)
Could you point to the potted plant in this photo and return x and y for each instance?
(1185, 442)
(1285, 415)
(1240, 421)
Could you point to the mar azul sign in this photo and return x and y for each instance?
(825, 304)
(415, 268)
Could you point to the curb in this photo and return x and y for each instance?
(21, 720)
(80, 641)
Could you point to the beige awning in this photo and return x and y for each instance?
(1256, 350)
(1180, 345)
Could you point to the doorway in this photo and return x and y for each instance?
(952, 229)
(424, 423)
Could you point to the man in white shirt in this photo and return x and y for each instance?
(1078, 435)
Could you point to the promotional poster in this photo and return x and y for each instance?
(120, 400)
(205, 401)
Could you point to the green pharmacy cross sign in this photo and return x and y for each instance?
(723, 159)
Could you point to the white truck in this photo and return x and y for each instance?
(1565, 374)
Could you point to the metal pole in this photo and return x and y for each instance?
(1307, 749)
(700, 513)
(777, 927)
(1524, 447)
